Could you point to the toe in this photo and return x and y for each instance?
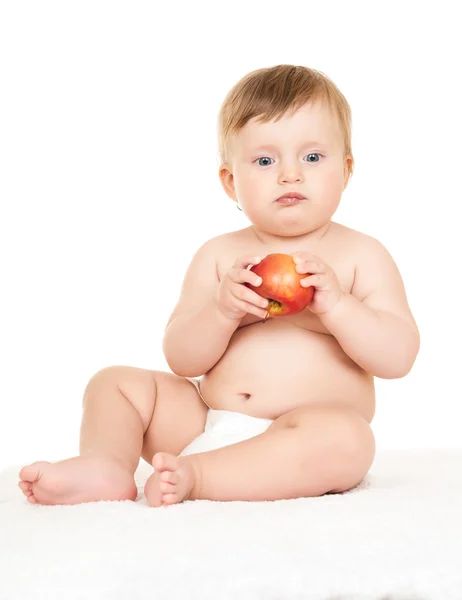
(25, 486)
(27, 473)
(31, 472)
(32, 499)
(166, 488)
(164, 462)
(170, 499)
(158, 461)
(169, 477)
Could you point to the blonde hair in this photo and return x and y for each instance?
(270, 92)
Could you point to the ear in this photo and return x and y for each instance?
(227, 180)
(347, 171)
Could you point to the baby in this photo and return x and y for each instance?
(283, 405)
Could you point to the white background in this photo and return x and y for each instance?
(109, 183)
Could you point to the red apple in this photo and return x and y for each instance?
(281, 285)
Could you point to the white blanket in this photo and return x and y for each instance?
(397, 536)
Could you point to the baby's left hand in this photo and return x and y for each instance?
(327, 290)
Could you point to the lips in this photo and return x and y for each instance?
(290, 198)
(292, 195)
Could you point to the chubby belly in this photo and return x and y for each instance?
(273, 367)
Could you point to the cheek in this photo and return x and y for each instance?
(332, 182)
(251, 186)
(254, 178)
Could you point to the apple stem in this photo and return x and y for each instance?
(271, 305)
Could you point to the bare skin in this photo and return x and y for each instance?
(160, 435)
(251, 359)
(76, 480)
(127, 413)
(313, 375)
(172, 481)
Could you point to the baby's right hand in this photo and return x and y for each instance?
(234, 299)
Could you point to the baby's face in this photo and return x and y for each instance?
(300, 153)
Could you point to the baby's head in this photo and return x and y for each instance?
(285, 129)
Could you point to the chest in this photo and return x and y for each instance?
(342, 265)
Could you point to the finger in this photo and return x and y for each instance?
(311, 266)
(252, 309)
(301, 257)
(314, 280)
(244, 276)
(247, 261)
(247, 295)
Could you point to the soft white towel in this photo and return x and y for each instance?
(397, 536)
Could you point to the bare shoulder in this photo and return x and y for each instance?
(377, 280)
(221, 246)
(228, 246)
(348, 237)
(374, 264)
(203, 274)
(360, 248)
(219, 250)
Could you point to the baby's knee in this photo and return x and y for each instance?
(121, 375)
(104, 376)
(138, 386)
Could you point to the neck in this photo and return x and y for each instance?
(292, 243)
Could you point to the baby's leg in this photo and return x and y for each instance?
(309, 451)
(127, 413)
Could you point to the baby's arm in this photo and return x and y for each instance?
(197, 333)
(374, 324)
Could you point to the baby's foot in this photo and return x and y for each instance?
(172, 481)
(76, 480)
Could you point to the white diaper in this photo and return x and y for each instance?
(225, 427)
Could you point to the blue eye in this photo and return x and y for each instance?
(314, 154)
(263, 158)
(268, 158)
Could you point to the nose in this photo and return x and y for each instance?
(290, 173)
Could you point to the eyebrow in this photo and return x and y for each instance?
(274, 147)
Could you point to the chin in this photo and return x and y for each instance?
(292, 229)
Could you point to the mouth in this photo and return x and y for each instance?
(290, 198)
